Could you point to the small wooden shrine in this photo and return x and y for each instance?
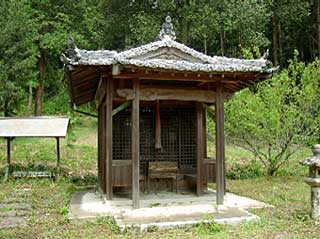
(151, 103)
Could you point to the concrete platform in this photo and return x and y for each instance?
(164, 209)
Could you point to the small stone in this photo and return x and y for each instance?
(23, 206)
(14, 200)
(21, 193)
(16, 206)
(8, 214)
(23, 213)
(10, 222)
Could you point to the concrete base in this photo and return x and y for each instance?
(164, 209)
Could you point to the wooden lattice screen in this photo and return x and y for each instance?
(178, 136)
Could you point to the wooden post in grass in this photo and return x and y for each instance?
(7, 174)
(58, 157)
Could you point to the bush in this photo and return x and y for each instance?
(273, 119)
(251, 170)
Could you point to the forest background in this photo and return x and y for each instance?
(272, 120)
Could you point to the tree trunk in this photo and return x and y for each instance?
(280, 43)
(275, 40)
(5, 109)
(318, 26)
(40, 88)
(223, 42)
(184, 30)
(30, 100)
(184, 23)
(205, 46)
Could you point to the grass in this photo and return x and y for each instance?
(49, 200)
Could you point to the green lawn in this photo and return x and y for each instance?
(290, 196)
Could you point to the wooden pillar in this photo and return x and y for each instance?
(135, 144)
(220, 146)
(103, 161)
(158, 127)
(109, 98)
(99, 147)
(204, 169)
(199, 147)
(205, 153)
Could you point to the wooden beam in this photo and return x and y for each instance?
(166, 77)
(154, 94)
(152, 74)
(116, 69)
(121, 107)
(109, 98)
(220, 146)
(199, 147)
(82, 101)
(84, 98)
(83, 94)
(85, 82)
(147, 85)
(135, 144)
(83, 74)
(100, 93)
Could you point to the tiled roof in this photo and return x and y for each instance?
(128, 57)
(150, 56)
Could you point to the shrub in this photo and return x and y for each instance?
(240, 171)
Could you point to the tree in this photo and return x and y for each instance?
(289, 24)
(18, 55)
(55, 21)
(278, 115)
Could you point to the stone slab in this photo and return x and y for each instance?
(15, 206)
(14, 200)
(164, 209)
(9, 222)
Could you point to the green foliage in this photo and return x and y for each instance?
(207, 229)
(252, 169)
(216, 27)
(153, 228)
(57, 104)
(289, 195)
(109, 222)
(64, 210)
(17, 53)
(142, 29)
(278, 115)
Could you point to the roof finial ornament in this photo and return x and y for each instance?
(167, 30)
(72, 52)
